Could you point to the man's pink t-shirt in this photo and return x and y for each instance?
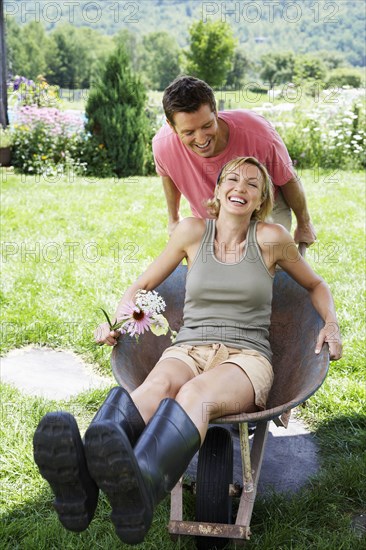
(250, 135)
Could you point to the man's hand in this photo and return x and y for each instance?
(294, 195)
(305, 233)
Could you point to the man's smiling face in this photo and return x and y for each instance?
(199, 131)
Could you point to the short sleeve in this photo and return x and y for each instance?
(159, 165)
(278, 161)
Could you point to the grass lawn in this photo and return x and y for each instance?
(70, 246)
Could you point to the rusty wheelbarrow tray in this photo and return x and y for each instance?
(299, 372)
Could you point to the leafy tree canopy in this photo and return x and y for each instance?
(67, 58)
(277, 67)
(211, 51)
(26, 56)
(160, 60)
(309, 67)
(241, 66)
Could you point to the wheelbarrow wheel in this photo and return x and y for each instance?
(214, 476)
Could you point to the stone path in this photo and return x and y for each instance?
(49, 373)
(290, 458)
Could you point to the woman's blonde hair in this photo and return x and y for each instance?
(213, 205)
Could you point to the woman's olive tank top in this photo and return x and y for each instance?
(228, 303)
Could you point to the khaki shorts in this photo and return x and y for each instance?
(203, 358)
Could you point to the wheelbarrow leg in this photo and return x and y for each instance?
(245, 457)
(176, 502)
(251, 471)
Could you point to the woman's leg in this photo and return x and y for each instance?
(107, 447)
(165, 380)
(135, 480)
(223, 390)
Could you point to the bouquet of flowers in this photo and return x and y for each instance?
(145, 313)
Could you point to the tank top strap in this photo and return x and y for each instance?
(209, 235)
(252, 230)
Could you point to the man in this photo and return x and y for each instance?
(197, 141)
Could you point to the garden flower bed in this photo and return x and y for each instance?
(328, 133)
(46, 140)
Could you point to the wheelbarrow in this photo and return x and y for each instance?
(298, 373)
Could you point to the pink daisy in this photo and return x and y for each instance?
(136, 319)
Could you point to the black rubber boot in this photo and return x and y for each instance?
(119, 408)
(59, 455)
(136, 480)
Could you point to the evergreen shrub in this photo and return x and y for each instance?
(117, 118)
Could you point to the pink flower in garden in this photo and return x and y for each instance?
(135, 320)
(143, 314)
(58, 122)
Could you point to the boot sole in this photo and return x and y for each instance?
(113, 466)
(58, 453)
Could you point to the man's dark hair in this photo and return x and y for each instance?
(186, 94)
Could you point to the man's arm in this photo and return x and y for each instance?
(172, 195)
(294, 195)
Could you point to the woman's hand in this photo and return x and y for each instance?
(104, 335)
(330, 333)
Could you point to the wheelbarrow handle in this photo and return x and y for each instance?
(302, 249)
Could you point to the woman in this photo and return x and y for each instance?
(219, 364)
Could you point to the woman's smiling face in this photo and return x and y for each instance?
(240, 190)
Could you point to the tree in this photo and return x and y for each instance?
(309, 74)
(309, 68)
(277, 68)
(346, 76)
(211, 51)
(241, 65)
(69, 58)
(160, 60)
(99, 48)
(332, 59)
(26, 56)
(116, 115)
(132, 44)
